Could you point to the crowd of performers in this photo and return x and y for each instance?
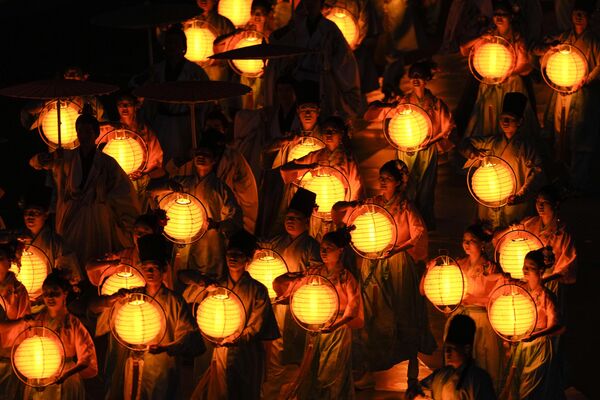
(93, 217)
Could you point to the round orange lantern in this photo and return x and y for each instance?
(265, 267)
(445, 285)
(48, 126)
(127, 148)
(564, 68)
(122, 277)
(200, 38)
(220, 314)
(137, 321)
(237, 11)
(314, 303)
(491, 181)
(187, 217)
(512, 312)
(248, 68)
(38, 356)
(492, 60)
(32, 269)
(305, 146)
(374, 231)
(330, 186)
(346, 23)
(512, 248)
(407, 127)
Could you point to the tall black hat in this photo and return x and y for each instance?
(243, 241)
(154, 248)
(308, 92)
(587, 6)
(36, 197)
(514, 104)
(303, 202)
(461, 330)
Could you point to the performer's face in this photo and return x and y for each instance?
(34, 218)
(418, 82)
(532, 274)
(332, 137)
(388, 184)
(152, 273)
(295, 223)
(456, 355)
(206, 5)
(501, 19)
(579, 19)
(330, 253)
(308, 114)
(471, 244)
(236, 260)
(54, 297)
(126, 108)
(509, 124)
(544, 207)
(204, 160)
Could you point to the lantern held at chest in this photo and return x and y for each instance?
(346, 23)
(265, 267)
(407, 127)
(492, 60)
(247, 68)
(305, 145)
(512, 312)
(31, 269)
(138, 321)
(491, 181)
(445, 284)
(122, 277)
(69, 112)
(220, 314)
(564, 68)
(200, 38)
(187, 217)
(127, 148)
(374, 232)
(314, 303)
(237, 11)
(330, 186)
(511, 249)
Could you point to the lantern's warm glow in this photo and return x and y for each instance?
(38, 357)
(328, 188)
(512, 314)
(126, 279)
(445, 285)
(251, 68)
(493, 61)
(237, 11)
(513, 248)
(374, 232)
(131, 154)
(186, 217)
(566, 67)
(409, 127)
(35, 267)
(220, 315)
(138, 322)
(266, 266)
(314, 303)
(200, 39)
(49, 123)
(305, 146)
(346, 24)
(493, 183)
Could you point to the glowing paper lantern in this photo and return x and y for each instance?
(445, 285)
(346, 23)
(492, 60)
(407, 127)
(375, 231)
(305, 146)
(38, 356)
(564, 68)
(492, 182)
(187, 218)
(125, 277)
(512, 248)
(265, 267)
(329, 185)
(237, 11)
(200, 38)
(69, 112)
(512, 312)
(33, 270)
(315, 303)
(249, 68)
(220, 314)
(127, 148)
(138, 321)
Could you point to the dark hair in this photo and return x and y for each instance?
(151, 220)
(9, 250)
(396, 168)
(341, 126)
(340, 238)
(125, 94)
(176, 31)
(88, 119)
(479, 232)
(550, 193)
(261, 4)
(538, 257)
(424, 69)
(57, 278)
(461, 330)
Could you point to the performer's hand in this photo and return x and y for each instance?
(212, 224)
(136, 175)
(478, 153)
(157, 349)
(229, 340)
(513, 199)
(61, 379)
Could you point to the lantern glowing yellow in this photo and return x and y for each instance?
(187, 218)
(445, 285)
(375, 231)
(305, 145)
(265, 267)
(200, 38)
(125, 277)
(512, 248)
(492, 60)
(38, 356)
(407, 127)
(512, 312)
(346, 23)
(138, 321)
(329, 185)
(127, 148)
(34, 268)
(220, 314)
(493, 182)
(564, 68)
(69, 112)
(237, 11)
(315, 303)
(249, 68)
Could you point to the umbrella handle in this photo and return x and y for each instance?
(58, 122)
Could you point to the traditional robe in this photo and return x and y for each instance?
(468, 382)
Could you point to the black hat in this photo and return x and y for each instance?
(422, 69)
(243, 241)
(36, 197)
(503, 5)
(514, 104)
(303, 202)
(308, 92)
(461, 330)
(587, 6)
(153, 247)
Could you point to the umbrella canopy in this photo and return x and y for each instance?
(146, 16)
(57, 89)
(262, 51)
(191, 91)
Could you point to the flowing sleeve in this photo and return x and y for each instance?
(418, 234)
(552, 316)
(85, 349)
(155, 152)
(186, 338)
(566, 263)
(231, 213)
(121, 195)
(534, 174)
(345, 73)
(241, 180)
(445, 118)
(261, 322)
(311, 255)
(354, 307)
